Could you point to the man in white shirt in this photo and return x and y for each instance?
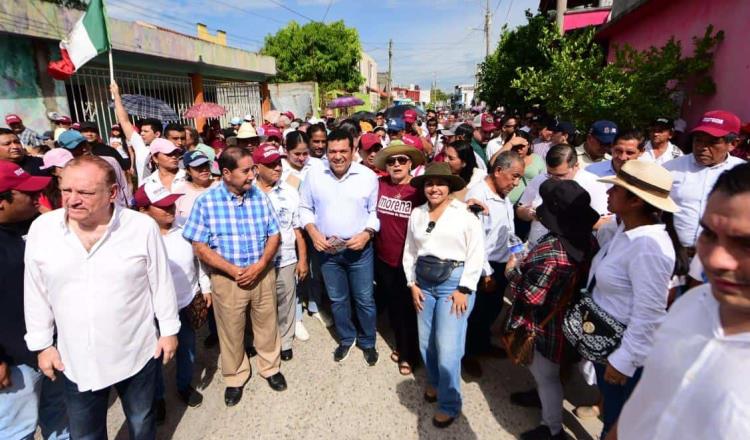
(598, 143)
(562, 163)
(497, 224)
(97, 275)
(291, 260)
(338, 211)
(508, 127)
(628, 145)
(695, 382)
(659, 149)
(694, 174)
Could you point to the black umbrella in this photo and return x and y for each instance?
(397, 111)
(360, 115)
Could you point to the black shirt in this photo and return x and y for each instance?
(100, 149)
(31, 165)
(13, 348)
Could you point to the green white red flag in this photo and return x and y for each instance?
(88, 39)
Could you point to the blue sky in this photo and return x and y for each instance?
(439, 39)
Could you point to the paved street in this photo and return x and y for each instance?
(344, 401)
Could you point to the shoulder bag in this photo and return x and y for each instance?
(197, 311)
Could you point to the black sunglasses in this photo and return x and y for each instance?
(430, 227)
(400, 159)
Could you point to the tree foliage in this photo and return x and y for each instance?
(637, 86)
(72, 4)
(517, 47)
(328, 54)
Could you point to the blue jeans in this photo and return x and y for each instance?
(87, 410)
(349, 274)
(442, 336)
(184, 358)
(614, 396)
(32, 399)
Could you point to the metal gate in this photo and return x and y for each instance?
(239, 98)
(89, 97)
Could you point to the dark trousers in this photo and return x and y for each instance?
(397, 300)
(87, 410)
(614, 396)
(487, 308)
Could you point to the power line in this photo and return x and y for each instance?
(291, 10)
(330, 2)
(249, 12)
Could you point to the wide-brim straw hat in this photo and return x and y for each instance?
(441, 170)
(397, 148)
(246, 131)
(649, 181)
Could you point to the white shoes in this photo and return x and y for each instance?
(323, 318)
(300, 332)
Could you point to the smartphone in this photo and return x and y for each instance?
(476, 209)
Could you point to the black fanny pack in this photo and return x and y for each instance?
(434, 270)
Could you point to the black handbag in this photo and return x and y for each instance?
(593, 332)
(434, 270)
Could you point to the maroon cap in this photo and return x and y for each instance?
(718, 123)
(410, 116)
(266, 154)
(12, 119)
(154, 193)
(488, 122)
(412, 141)
(289, 115)
(272, 131)
(14, 177)
(369, 140)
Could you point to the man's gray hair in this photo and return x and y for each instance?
(504, 161)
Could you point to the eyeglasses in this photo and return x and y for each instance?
(400, 159)
(430, 227)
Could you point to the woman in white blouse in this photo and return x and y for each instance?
(443, 258)
(463, 163)
(629, 277)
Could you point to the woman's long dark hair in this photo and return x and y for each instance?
(294, 138)
(466, 154)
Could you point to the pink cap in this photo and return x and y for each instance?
(266, 154)
(369, 140)
(719, 123)
(488, 122)
(289, 115)
(162, 146)
(14, 177)
(410, 116)
(64, 120)
(56, 157)
(272, 131)
(154, 193)
(12, 119)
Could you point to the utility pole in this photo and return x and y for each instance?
(562, 5)
(390, 71)
(487, 30)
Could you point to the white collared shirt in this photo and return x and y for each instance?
(690, 187)
(494, 145)
(102, 302)
(602, 168)
(597, 191)
(285, 202)
(695, 383)
(457, 236)
(287, 170)
(178, 183)
(187, 272)
(497, 226)
(632, 283)
(672, 152)
(340, 207)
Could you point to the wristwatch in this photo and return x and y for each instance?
(371, 232)
(464, 290)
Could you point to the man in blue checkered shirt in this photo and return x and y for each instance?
(235, 232)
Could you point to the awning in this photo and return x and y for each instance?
(584, 18)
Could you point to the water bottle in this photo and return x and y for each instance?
(516, 247)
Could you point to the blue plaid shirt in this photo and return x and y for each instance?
(237, 228)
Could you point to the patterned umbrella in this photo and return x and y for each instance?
(345, 101)
(147, 107)
(205, 110)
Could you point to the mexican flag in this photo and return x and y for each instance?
(88, 39)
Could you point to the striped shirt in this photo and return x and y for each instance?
(237, 228)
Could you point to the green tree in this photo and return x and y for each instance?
(328, 54)
(517, 47)
(438, 95)
(636, 87)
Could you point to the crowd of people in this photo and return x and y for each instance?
(117, 249)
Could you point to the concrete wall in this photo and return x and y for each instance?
(685, 19)
(23, 90)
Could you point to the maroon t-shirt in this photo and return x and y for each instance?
(395, 203)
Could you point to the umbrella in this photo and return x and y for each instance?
(397, 111)
(146, 107)
(205, 110)
(360, 115)
(345, 101)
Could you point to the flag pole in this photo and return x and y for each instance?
(111, 70)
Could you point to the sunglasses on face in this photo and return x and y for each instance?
(400, 159)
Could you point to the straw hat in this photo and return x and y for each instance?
(441, 170)
(395, 148)
(651, 182)
(246, 131)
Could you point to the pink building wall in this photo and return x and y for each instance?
(655, 22)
